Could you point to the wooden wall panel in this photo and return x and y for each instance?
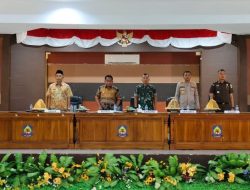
(145, 57)
(94, 73)
(76, 57)
(5, 43)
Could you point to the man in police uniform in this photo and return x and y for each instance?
(145, 94)
(108, 95)
(222, 92)
(186, 93)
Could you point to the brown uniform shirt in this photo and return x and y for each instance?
(59, 96)
(108, 96)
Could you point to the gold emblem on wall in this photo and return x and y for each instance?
(124, 38)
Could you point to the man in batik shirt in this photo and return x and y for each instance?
(107, 95)
(59, 93)
(145, 94)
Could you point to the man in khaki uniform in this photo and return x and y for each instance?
(186, 93)
(59, 93)
(108, 95)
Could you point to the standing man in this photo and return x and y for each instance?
(107, 95)
(186, 93)
(145, 94)
(59, 93)
(222, 92)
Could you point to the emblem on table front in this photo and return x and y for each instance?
(217, 131)
(27, 131)
(122, 131)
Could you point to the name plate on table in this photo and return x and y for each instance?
(231, 111)
(105, 111)
(52, 111)
(188, 111)
(149, 111)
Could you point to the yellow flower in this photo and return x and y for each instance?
(85, 177)
(150, 179)
(171, 180)
(183, 167)
(57, 181)
(61, 170)
(109, 179)
(221, 176)
(192, 171)
(99, 161)
(2, 182)
(102, 170)
(231, 177)
(167, 178)
(46, 176)
(129, 164)
(54, 166)
(66, 174)
(146, 182)
(76, 166)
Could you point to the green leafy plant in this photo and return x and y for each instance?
(131, 169)
(230, 167)
(108, 171)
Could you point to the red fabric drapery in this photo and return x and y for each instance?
(156, 38)
(110, 34)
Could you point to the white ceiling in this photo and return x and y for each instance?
(232, 16)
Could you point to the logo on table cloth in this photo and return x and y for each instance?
(217, 131)
(122, 131)
(27, 131)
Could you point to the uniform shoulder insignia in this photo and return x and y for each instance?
(114, 87)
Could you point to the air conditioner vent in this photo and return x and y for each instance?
(122, 59)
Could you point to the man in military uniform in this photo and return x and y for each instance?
(186, 93)
(222, 92)
(145, 94)
(108, 95)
